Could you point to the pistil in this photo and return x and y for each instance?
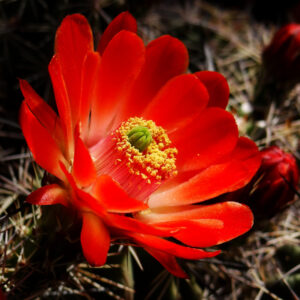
(140, 138)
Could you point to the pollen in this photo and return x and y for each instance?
(155, 162)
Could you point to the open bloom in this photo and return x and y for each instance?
(137, 143)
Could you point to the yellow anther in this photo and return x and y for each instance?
(147, 149)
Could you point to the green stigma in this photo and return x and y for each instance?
(140, 138)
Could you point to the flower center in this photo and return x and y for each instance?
(138, 155)
(147, 149)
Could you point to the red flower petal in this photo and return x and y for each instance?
(83, 169)
(49, 195)
(129, 224)
(115, 221)
(166, 57)
(90, 70)
(204, 225)
(85, 201)
(62, 100)
(74, 39)
(44, 149)
(217, 87)
(166, 246)
(168, 261)
(178, 101)
(81, 199)
(124, 21)
(120, 65)
(113, 197)
(209, 137)
(95, 239)
(247, 151)
(41, 110)
(226, 176)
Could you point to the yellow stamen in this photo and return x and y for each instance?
(156, 161)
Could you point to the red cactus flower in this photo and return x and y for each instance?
(136, 143)
(281, 58)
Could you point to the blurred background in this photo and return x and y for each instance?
(229, 36)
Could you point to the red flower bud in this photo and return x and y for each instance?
(278, 181)
(273, 187)
(281, 58)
